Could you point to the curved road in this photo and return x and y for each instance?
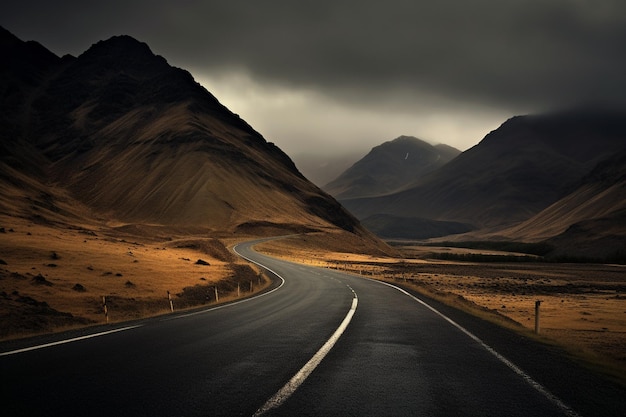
(389, 354)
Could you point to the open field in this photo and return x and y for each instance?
(53, 278)
(583, 306)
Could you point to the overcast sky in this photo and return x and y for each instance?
(339, 75)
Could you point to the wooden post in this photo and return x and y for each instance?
(537, 304)
(238, 291)
(105, 308)
(169, 297)
(217, 297)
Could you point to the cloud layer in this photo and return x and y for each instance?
(445, 60)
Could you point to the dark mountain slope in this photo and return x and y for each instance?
(590, 221)
(131, 139)
(515, 172)
(390, 167)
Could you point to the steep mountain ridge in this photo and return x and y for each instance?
(515, 172)
(390, 167)
(118, 134)
(554, 178)
(590, 221)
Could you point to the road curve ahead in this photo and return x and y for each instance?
(322, 344)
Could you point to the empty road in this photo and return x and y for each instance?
(321, 343)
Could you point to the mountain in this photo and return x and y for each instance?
(120, 136)
(590, 221)
(389, 168)
(513, 174)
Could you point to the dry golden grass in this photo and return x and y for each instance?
(71, 270)
(583, 306)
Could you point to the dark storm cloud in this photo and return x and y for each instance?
(326, 76)
(505, 52)
(511, 53)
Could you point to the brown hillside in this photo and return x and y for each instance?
(119, 135)
(122, 179)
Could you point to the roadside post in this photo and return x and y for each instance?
(169, 297)
(105, 308)
(537, 304)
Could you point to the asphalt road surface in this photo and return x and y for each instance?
(321, 343)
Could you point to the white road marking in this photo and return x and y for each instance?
(536, 385)
(208, 310)
(294, 383)
(290, 387)
(61, 342)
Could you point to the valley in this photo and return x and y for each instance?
(583, 306)
(125, 185)
(53, 279)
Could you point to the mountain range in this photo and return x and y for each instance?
(117, 135)
(555, 176)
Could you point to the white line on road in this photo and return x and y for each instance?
(536, 385)
(245, 300)
(290, 387)
(61, 342)
(294, 383)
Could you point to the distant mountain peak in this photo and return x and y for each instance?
(401, 145)
(119, 43)
(389, 167)
(125, 52)
(404, 138)
(407, 139)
